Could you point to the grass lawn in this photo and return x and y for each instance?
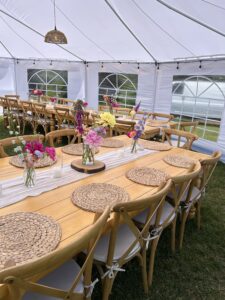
(196, 272)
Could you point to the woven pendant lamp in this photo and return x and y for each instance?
(55, 36)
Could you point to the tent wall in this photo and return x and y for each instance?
(7, 78)
(146, 80)
(76, 78)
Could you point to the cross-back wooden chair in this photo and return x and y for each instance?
(65, 278)
(169, 211)
(8, 142)
(41, 117)
(28, 115)
(196, 193)
(123, 126)
(58, 134)
(15, 111)
(102, 108)
(178, 138)
(125, 240)
(64, 117)
(161, 116)
(186, 126)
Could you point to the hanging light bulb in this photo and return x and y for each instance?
(55, 36)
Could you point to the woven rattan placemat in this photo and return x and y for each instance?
(95, 197)
(40, 163)
(75, 149)
(179, 161)
(25, 236)
(147, 176)
(154, 145)
(112, 143)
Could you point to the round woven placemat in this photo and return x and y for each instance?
(25, 236)
(112, 143)
(147, 176)
(41, 163)
(75, 149)
(95, 197)
(179, 161)
(155, 146)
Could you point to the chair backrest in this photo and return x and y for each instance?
(69, 133)
(8, 142)
(208, 167)
(40, 111)
(124, 211)
(123, 126)
(181, 186)
(179, 136)
(160, 116)
(18, 278)
(121, 111)
(12, 96)
(13, 105)
(186, 126)
(64, 115)
(27, 108)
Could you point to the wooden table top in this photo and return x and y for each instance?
(57, 203)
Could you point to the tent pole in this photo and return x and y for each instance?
(15, 76)
(85, 83)
(155, 88)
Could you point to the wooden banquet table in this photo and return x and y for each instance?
(57, 203)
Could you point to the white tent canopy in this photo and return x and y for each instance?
(95, 33)
(115, 36)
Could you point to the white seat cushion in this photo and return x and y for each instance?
(168, 210)
(125, 238)
(194, 196)
(61, 278)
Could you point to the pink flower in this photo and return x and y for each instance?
(53, 99)
(93, 139)
(85, 104)
(50, 152)
(31, 147)
(37, 92)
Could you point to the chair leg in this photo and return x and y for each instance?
(173, 235)
(144, 272)
(198, 207)
(182, 228)
(152, 260)
(107, 286)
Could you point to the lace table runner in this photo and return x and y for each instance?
(13, 190)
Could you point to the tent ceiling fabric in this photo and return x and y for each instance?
(96, 34)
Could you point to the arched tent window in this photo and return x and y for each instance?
(200, 98)
(51, 82)
(122, 86)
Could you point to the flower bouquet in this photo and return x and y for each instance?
(111, 103)
(136, 133)
(37, 93)
(91, 141)
(79, 108)
(29, 154)
(107, 120)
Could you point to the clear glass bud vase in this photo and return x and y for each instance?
(88, 155)
(29, 176)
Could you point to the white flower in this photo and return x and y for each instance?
(16, 149)
(19, 148)
(14, 120)
(23, 142)
(13, 142)
(8, 127)
(11, 132)
(16, 132)
(18, 126)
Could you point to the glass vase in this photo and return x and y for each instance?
(29, 176)
(88, 155)
(134, 146)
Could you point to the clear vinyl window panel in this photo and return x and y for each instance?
(121, 86)
(200, 98)
(52, 82)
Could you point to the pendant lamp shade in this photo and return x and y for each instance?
(55, 36)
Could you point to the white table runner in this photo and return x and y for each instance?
(13, 190)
